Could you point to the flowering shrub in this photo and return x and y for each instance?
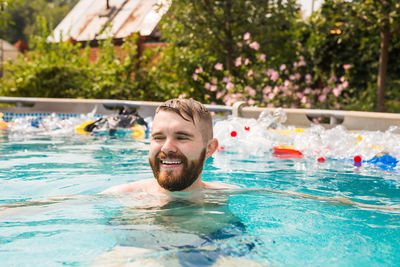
(253, 81)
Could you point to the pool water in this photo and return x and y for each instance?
(287, 212)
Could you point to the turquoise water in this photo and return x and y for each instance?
(52, 215)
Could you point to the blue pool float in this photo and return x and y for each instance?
(384, 161)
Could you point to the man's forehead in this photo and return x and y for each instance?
(170, 118)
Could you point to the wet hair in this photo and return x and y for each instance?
(191, 110)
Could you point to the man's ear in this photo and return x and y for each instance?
(211, 147)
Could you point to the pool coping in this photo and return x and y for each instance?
(351, 120)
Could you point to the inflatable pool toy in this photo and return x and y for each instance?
(3, 124)
(357, 160)
(138, 131)
(384, 161)
(124, 122)
(286, 152)
(81, 128)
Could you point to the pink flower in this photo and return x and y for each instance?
(302, 61)
(322, 98)
(308, 78)
(183, 95)
(194, 76)
(199, 70)
(228, 100)
(270, 105)
(345, 84)
(297, 76)
(250, 91)
(337, 90)
(207, 96)
(226, 79)
(238, 61)
(292, 77)
(274, 76)
(218, 66)
(307, 91)
(286, 83)
(282, 67)
(299, 95)
(271, 96)
(213, 88)
(251, 102)
(207, 86)
(246, 36)
(308, 105)
(219, 95)
(254, 45)
(303, 100)
(246, 61)
(333, 78)
(229, 86)
(262, 57)
(250, 73)
(239, 44)
(267, 89)
(346, 66)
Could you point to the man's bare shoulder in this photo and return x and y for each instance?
(217, 185)
(144, 185)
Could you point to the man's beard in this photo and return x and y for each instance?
(172, 182)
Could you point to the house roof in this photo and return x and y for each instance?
(88, 19)
(7, 50)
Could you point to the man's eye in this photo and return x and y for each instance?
(158, 137)
(183, 138)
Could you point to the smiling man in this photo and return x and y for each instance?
(181, 141)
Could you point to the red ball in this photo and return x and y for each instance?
(357, 158)
(321, 159)
(233, 133)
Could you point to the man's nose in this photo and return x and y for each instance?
(168, 146)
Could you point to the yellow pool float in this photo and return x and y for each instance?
(138, 131)
(81, 128)
(3, 124)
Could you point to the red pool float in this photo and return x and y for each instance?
(286, 152)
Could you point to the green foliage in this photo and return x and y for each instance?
(222, 51)
(343, 33)
(23, 15)
(5, 5)
(204, 33)
(65, 70)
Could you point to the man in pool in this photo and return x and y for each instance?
(181, 141)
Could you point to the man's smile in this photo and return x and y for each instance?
(170, 161)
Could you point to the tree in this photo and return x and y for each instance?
(383, 15)
(204, 32)
(5, 5)
(23, 14)
(342, 33)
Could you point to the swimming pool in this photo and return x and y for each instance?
(274, 219)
